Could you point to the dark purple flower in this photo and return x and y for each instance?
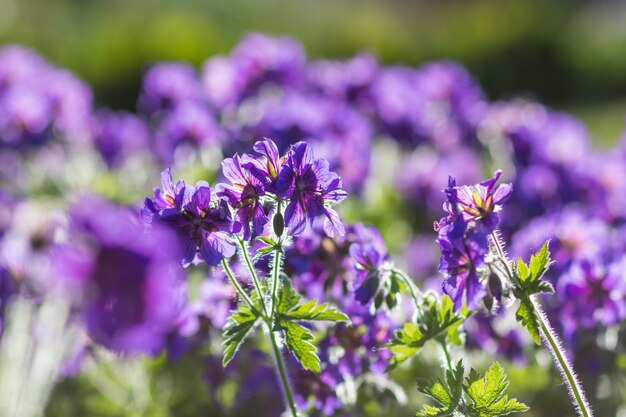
(244, 194)
(203, 226)
(127, 284)
(479, 203)
(372, 266)
(310, 188)
(460, 259)
(169, 196)
(8, 288)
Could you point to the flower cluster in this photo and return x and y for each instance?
(463, 236)
(204, 221)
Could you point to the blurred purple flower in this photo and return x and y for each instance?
(167, 85)
(593, 294)
(190, 123)
(127, 284)
(119, 135)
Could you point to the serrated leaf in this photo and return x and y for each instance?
(487, 394)
(288, 298)
(312, 311)
(539, 262)
(522, 270)
(239, 324)
(299, 341)
(437, 322)
(447, 394)
(527, 317)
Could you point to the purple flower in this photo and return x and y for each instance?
(203, 226)
(460, 259)
(370, 257)
(118, 135)
(127, 284)
(167, 85)
(260, 59)
(593, 294)
(479, 203)
(310, 188)
(8, 288)
(190, 124)
(244, 195)
(267, 170)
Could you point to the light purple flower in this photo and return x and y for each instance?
(310, 188)
(244, 194)
(480, 203)
(119, 135)
(167, 85)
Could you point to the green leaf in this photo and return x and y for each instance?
(527, 317)
(437, 322)
(239, 324)
(487, 394)
(540, 262)
(446, 393)
(530, 283)
(288, 298)
(312, 311)
(299, 340)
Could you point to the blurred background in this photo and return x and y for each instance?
(569, 54)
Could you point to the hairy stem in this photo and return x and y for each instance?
(275, 280)
(412, 289)
(242, 293)
(550, 339)
(554, 345)
(283, 374)
(255, 277)
(446, 353)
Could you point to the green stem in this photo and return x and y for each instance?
(550, 338)
(446, 353)
(554, 345)
(275, 278)
(236, 284)
(253, 274)
(412, 289)
(283, 374)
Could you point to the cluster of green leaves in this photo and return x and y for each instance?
(529, 283)
(484, 395)
(290, 316)
(437, 321)
(299, 338)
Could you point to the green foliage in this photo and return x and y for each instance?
(486, 394)
(298, 338)
(239, 324)
(438, 321)
(529, 283)
(446, 393)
